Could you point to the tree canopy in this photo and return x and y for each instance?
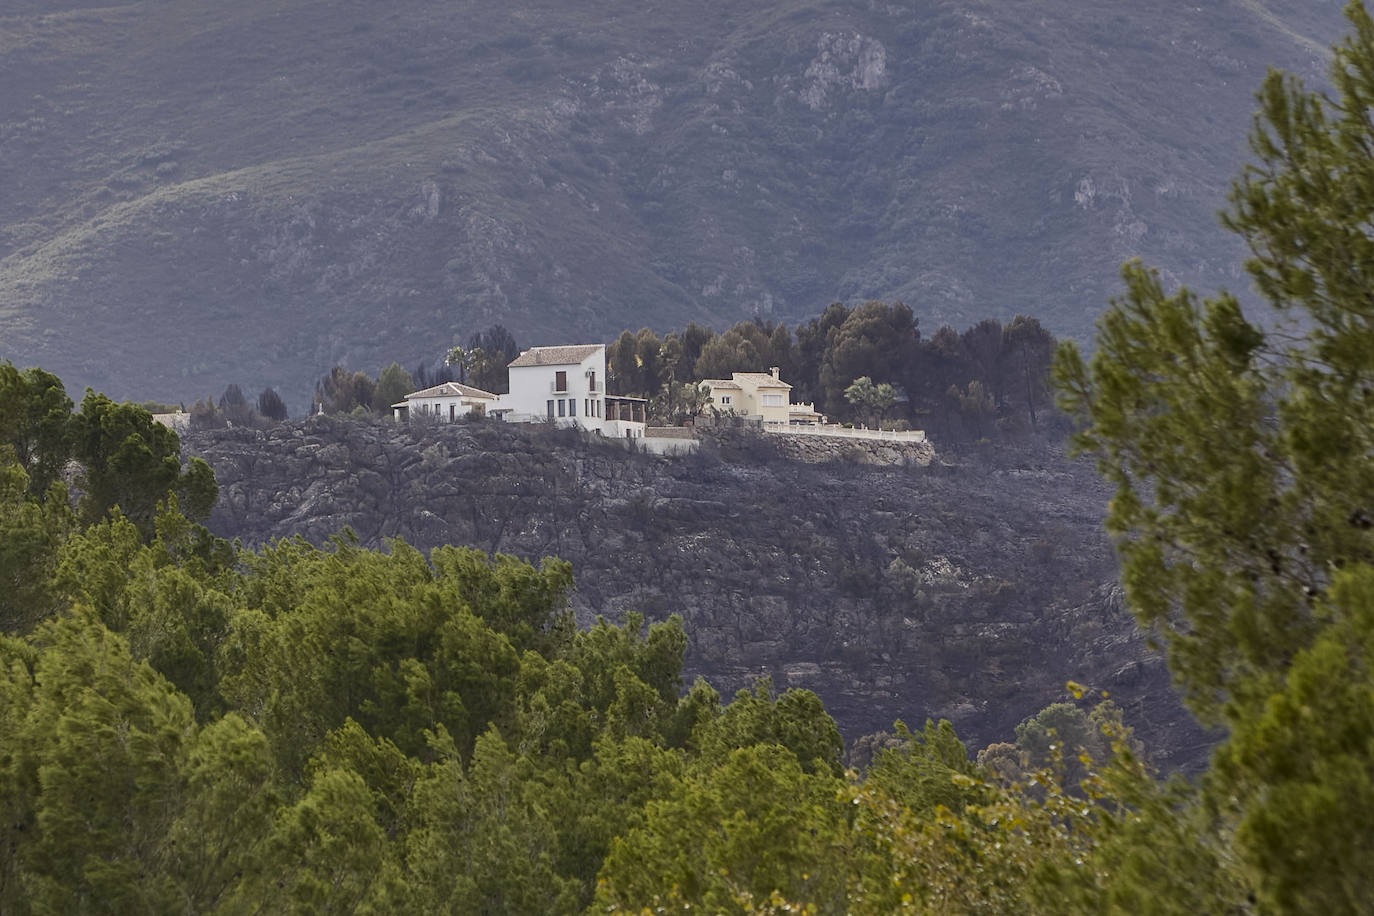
(991, 380)
(191, 725)
(121, 456)
(1244, 510)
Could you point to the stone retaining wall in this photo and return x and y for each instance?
(820, 449)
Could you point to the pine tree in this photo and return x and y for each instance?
(1240, 452)
(271, 406)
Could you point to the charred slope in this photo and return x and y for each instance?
(971, 592)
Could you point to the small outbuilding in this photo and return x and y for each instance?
(445, 403)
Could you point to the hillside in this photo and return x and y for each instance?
(971, 591)
(200, 192)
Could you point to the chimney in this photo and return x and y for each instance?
(774, 370)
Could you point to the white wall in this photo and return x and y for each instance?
(618, 429)
(531, 388)
(432, 408)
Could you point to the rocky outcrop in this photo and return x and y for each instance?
(971, 591)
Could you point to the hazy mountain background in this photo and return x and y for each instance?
(197, 192)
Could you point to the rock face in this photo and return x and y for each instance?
(971, 591)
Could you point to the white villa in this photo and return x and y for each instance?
(761, 396)
(447, 402)
(561, 385)
(567, 386)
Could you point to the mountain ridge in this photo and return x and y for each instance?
(253, 194)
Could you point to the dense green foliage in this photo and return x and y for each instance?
(122, 457)
(305, 729)
(991, 379)
(1244, 502)
(192, 727)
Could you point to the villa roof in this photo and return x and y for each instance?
(720, 383)
(761, 380)
(554, 356)
(452, 390)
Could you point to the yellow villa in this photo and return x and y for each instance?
(760, 395)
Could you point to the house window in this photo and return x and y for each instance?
(591, 384)
(562, 407)
(586, 407)
(452, 410)
(560, 381)
(725, 400)
(772, 400)
(572, 407)
(550, 409)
